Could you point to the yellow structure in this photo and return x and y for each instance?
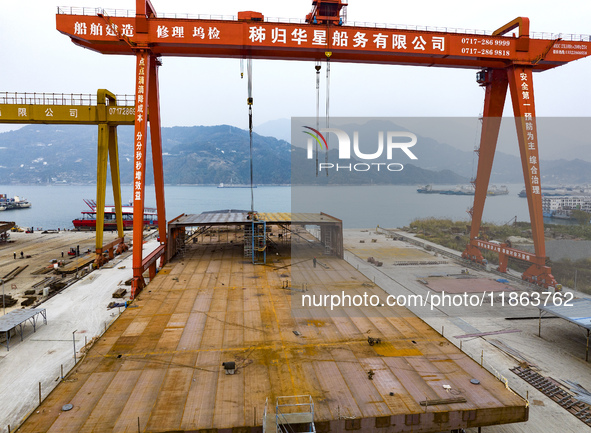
(79, 109)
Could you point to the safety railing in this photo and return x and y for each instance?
(60, 99)
(291, 410)
(129, 13)
(562, 36)
(71, 10)
(67, 10)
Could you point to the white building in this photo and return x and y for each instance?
(566, 202)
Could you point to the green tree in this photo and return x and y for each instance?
(582, 217)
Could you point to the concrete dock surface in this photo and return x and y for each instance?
(39, 250)
(75, 317)
(558, 354)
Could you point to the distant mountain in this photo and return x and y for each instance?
(279, 128)
(575, 172)
(216, 154)
(192, 155)
(436, 156)
(304, 173)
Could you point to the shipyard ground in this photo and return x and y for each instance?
(559, 354)
(39, 251)
(159, 367)
(76, 315)
(160, 364)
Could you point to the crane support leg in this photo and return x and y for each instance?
(519, 80)
(522, 93)
(115, 178)
(494, 101)
(156, 139)
(101, 182)
(118, 243)
(107, 150)
(142, 86)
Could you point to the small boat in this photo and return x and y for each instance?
(463, 190)
(562, 214)
(545, 193)
(222, 185)
(428, 189)
(495, 190)
(233, 185)
(460, 190)
(16, 202)
(88, 219)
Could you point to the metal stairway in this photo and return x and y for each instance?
(293, 413)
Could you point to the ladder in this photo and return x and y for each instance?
(255, 242)
(293, 413)
(327, 241)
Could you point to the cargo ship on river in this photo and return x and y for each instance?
(88, 219)
(463, 190)
(15, 202)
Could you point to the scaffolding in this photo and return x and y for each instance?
(295, 410)
(255, 242)
(327, 241)
(181, 245)
(285, 235)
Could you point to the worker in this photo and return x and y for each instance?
(22, 255)
(62, 254)
(314, 261)
(15, 255)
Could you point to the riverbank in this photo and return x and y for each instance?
(573, 272)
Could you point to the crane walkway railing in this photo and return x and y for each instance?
(129, 13)
(83, 99)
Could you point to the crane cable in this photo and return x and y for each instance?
(317, 67)
(328, 54)
(250, 101)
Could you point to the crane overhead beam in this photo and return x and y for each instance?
(65, 114)
(287, 41)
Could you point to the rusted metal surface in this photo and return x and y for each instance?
(161, 362)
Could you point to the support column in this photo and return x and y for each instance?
(503, 260)
(494, 101)
(139, 173)
(156, 139)
(107, 150)
(101, 183)
(522, 94)
(115, 178)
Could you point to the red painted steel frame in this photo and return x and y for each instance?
(519, 79)
(508, 61)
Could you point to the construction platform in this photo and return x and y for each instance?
(159, 367)
(330, 229)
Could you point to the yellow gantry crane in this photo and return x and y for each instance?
(104, 110)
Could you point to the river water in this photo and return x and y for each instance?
(358, 206)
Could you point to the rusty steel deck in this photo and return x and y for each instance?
(159, 367)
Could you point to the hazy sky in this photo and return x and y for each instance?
(37, 58)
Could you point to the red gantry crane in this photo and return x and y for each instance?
(504, 60)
